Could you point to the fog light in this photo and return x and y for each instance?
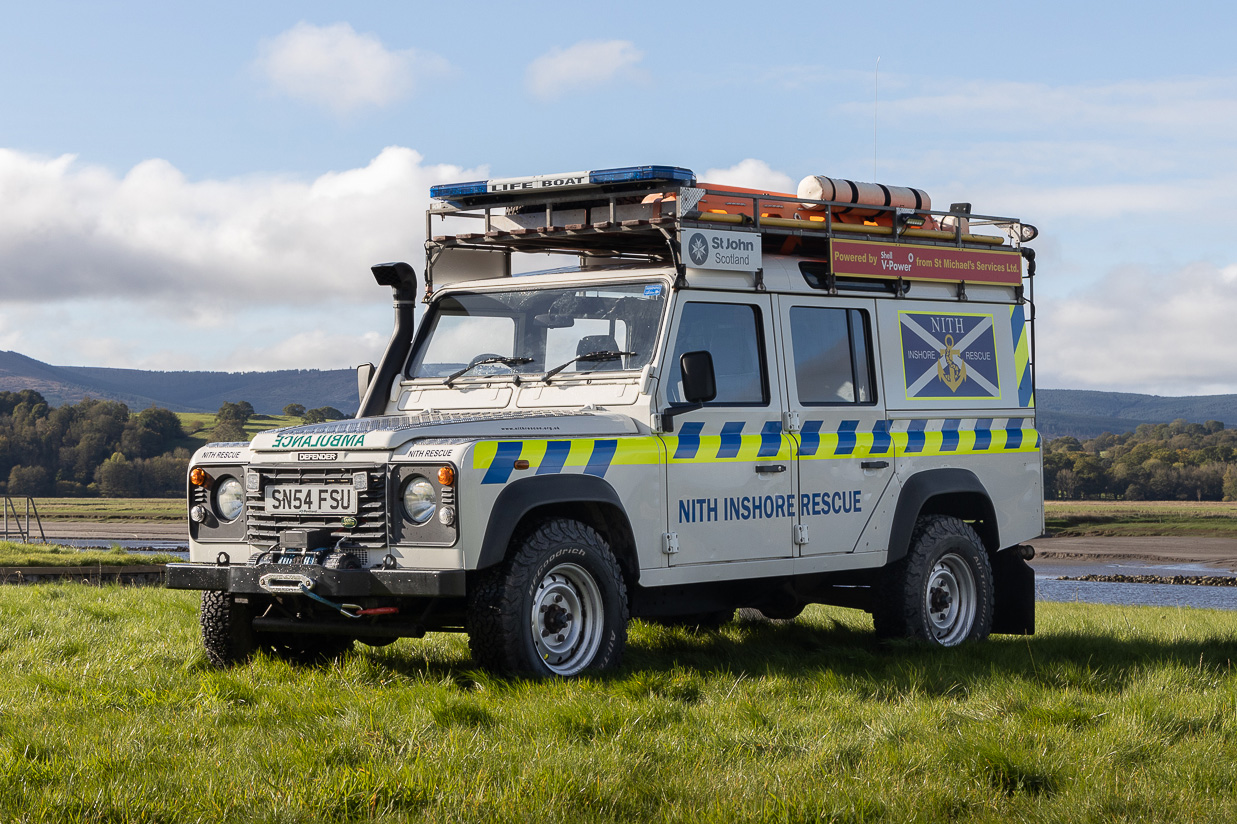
(197, 514)
(446, 515)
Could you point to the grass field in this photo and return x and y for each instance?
(105, 509)
(109, 712)
(1138, 518)
(44, 555)
(198, 426)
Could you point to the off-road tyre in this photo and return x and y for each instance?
(227, 629)
(942, 591)
(556, 606)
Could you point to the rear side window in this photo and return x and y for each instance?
(832, 354)
(731, 334)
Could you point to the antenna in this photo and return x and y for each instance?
(875, 108)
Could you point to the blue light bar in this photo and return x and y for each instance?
(628, 174)
(453, 191)
(505, 187)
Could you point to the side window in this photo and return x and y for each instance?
(731, 333)
(832, 353)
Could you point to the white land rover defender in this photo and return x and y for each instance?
(729, 398)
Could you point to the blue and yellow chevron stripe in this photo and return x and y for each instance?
(907, 438)
(1022, 356)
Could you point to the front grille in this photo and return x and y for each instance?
(371, 528)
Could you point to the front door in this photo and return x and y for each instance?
(730, 478)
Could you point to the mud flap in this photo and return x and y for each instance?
(1013, 611)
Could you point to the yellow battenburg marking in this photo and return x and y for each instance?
(629, 451)
(711, 445)
(483, 454)
(651, 451)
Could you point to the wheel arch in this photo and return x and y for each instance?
(584, 498)
(952, 491)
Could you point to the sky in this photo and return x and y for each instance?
(205, 186)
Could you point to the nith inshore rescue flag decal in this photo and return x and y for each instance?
(949, 356)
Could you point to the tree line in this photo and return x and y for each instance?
(91, 447)
(101, 448)
(1176, 461)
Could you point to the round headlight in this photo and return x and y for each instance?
(230, 499)
(420, 499)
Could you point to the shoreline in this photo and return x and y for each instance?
(1214, 553)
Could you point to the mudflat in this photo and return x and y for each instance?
(115, 530)
(1218, 553)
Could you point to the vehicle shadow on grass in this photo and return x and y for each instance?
(1092, 661)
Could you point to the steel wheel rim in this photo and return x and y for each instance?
(567, 619)
(950, 600)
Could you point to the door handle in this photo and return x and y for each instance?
(763, 468)
(874, 464)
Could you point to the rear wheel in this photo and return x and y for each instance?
(941, 592)
(556, 606)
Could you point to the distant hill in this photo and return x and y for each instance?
(1085, 413)
(268, 392)
(1077, 412)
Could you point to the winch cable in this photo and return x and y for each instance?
(348, 610)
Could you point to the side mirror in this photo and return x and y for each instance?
(699, 381)
(364, 377)
(699, 385)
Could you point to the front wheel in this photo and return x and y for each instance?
(227, 629)
(942, 591)
(556, 606)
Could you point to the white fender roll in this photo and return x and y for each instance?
(819, 187)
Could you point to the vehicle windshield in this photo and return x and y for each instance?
(529, 332)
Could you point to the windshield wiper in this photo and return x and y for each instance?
(588, 357)
(510, 363)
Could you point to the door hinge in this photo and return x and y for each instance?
(801, 537)
(670, 542)
(791, 422)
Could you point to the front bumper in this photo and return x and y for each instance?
(350, 583)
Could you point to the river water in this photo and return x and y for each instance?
(1048, 587)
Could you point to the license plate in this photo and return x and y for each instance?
(335, 499)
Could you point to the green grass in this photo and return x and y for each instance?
(14, 554)
(109, 712)
(199, 426)
(1141, 518)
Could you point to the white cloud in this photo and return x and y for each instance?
(71, 231)
(335, 67)
(313, 349)
(751, 174)
(585, 65)
(1143, 330)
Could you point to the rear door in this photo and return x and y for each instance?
(845, 458)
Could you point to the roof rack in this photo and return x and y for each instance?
(639, 213)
